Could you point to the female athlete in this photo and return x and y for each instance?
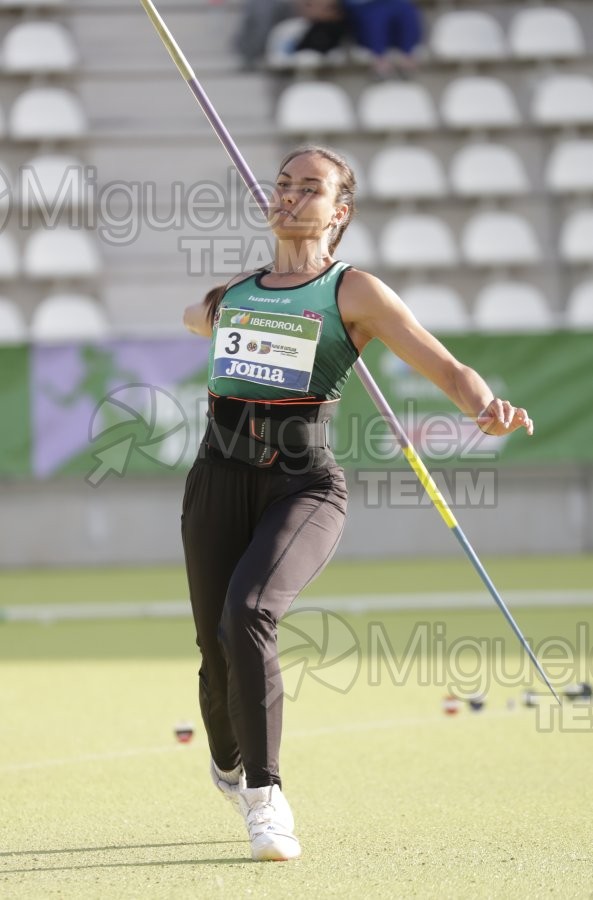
(265, 501)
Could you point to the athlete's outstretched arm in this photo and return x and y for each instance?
(371, 309)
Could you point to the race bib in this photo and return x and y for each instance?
(266, 348)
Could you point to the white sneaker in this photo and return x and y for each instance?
(229, 783)
(270, 823)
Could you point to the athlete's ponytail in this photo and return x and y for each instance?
(212, 301)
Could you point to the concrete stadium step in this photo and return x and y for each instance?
(189, 163)
(126, 36)
(165, 102)
(150, 307)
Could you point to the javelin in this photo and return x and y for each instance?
(363, 373)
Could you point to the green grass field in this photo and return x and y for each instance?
(392, 798)
(341, 577)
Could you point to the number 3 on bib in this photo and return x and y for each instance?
(266, 348)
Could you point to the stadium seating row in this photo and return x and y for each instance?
(499, 306)
(56, 253)
(491, 238)
(408, 241)
(542, 32)
(404, 172)
(48, 179)
(460, 36)
(33, 47)
(45, 113)
(502, 306)
(467, 102)
(312, 107)
(59, 317)
(477, 169)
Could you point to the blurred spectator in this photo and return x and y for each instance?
(382, 26)
(258, 19)
(327, 25)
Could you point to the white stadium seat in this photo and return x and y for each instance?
(396, 107)
(61, 253)
(47, 113)
(13, 328)
(405, 171)
(69, 317)
(467, 35)
(570, 167)
(545, 32)
(564, 99)
(437, 307)
(47, 178)
(576, 237)
(10, 264)
(579, 311)
(487, 170)
(479, 101)
(358, 246)
(38, 47)
(417, 242)
(512, 306)
(315, 106)
(282, 39)
(498, 238)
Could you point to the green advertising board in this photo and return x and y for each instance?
(15, 412)
(138, 407)
(551, 375)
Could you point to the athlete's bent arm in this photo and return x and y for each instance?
(196, 319)
(371, 309)
(199, 317)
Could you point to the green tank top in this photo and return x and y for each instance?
(275, 343)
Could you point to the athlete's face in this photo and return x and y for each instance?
(303, 204)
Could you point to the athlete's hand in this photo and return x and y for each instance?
(501, 417)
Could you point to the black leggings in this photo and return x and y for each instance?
(253, 539)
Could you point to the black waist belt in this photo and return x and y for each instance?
(262, 433)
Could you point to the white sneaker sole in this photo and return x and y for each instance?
(276, 848)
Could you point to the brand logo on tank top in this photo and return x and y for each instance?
(283, 300)
(252, 370)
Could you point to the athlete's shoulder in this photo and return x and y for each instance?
(363, 294)
(360, 283)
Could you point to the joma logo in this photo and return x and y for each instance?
(252, 370)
